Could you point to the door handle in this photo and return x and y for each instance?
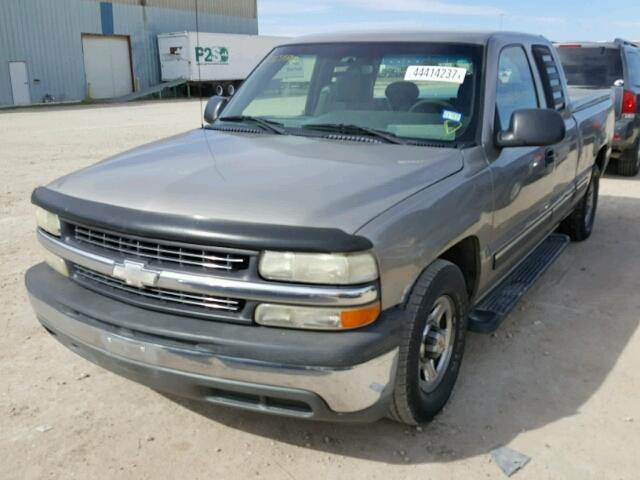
(549, 157)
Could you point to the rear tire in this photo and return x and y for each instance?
(432, 344)
(628, 165)
(579, 224)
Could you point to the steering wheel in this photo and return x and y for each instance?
(444, 105)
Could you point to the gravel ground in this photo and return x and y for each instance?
(558, 382)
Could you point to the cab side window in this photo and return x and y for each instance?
(516, 88)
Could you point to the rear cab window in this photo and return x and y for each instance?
(393, 69)
(591, 67)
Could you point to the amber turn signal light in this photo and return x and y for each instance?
(359, 317)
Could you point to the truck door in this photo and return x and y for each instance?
(565, 154)
(522, 176)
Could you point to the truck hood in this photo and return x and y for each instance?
(282, 180)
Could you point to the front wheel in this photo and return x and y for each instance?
(432, 344)
(579, 224)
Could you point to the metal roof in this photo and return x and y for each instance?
(234, 8)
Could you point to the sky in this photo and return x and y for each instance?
(558, 20)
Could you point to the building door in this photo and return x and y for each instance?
(19, 83)
(107, 66)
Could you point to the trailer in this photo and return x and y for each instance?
(219, 60)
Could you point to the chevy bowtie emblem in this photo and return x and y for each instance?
(135, 274)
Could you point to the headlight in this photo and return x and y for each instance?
(289, 316)
(322, 268)
(48, 221)
(55, 262)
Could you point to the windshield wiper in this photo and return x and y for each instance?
(348, 129)
(269, 125)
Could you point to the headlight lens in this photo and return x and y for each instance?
(289, 316)
(55, 262)
(49, 222)
(322, 268)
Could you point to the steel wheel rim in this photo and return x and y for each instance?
(589, 206)
(436, 345)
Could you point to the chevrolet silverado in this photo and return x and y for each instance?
(317, 249)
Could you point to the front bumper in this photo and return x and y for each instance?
(80, 319)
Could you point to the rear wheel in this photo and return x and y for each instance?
(231, 89)
(579, 224)
(219, 90)
(432, 344)
(628, 165)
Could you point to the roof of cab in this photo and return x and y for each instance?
(440, 36)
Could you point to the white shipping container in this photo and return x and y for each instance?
(220, 56)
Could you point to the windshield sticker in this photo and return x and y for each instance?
(451, 127)
(452, 116)
(431, 73)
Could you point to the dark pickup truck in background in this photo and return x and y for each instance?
(601, 65)
(317, 253)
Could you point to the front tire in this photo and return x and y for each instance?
(579, 224)
(432, 344)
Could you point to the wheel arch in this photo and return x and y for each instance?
(602, 159)
(465, 254)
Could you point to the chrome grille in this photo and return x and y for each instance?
(159, 251)
(104, 282)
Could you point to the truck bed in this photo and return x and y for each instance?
(583, 98)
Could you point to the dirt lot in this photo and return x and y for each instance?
(559, 382)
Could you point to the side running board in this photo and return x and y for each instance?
(493, 309)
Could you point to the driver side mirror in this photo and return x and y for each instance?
(214, 108)
(533, 128)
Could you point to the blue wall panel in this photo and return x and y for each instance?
(106, 18)
(48, 40)
(47, 35)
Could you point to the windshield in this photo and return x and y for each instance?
(593, 67)
(414, 91)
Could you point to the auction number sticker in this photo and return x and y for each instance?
(428, 73)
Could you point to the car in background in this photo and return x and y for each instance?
(597, 65)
